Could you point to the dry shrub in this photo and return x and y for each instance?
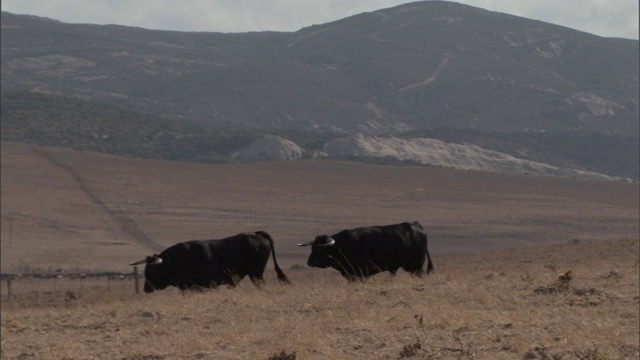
(283, 356)
(542, 353)
(143, 357)
(410, 350)
(575, 296)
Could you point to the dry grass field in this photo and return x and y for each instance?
(498, 242)
(506, 304)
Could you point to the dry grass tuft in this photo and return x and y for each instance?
(283, 356)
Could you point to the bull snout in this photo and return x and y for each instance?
(148, 288)
(317, 261)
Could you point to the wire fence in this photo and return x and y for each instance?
(35, 289)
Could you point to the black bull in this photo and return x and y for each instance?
(198, 264)
(366, 251)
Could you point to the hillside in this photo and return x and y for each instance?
(415, 68)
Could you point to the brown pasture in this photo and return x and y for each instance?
(499, 243)
(504, 304)
(78, 211)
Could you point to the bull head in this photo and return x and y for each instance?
(320, 241)
(149, 260)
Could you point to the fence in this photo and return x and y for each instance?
(50, 283)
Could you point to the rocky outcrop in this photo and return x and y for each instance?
(270, 148)
(438, 153)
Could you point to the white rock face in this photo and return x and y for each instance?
(438, 153)
(596, 105)
(420, 150)
(270, 148)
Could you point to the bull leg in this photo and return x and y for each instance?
(231, 278)
(257, 280)
(393, 269)
(347, 276)
(414, 270)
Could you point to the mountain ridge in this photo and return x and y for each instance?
(416, 67)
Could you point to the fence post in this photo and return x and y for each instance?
(135, 277)
(10, 230)
(9, 294)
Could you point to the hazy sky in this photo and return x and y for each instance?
(613, 18)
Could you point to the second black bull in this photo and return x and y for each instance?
(365, 251)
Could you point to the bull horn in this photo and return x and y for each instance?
(330, 242)
(149, 260)
(307, 243)
(143, 261)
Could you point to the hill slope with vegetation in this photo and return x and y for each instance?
(533, 90)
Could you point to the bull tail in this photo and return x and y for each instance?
(281, 276)
(429, 262)
(418, 227)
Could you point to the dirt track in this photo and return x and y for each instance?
(48, 221)
(129, 226)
